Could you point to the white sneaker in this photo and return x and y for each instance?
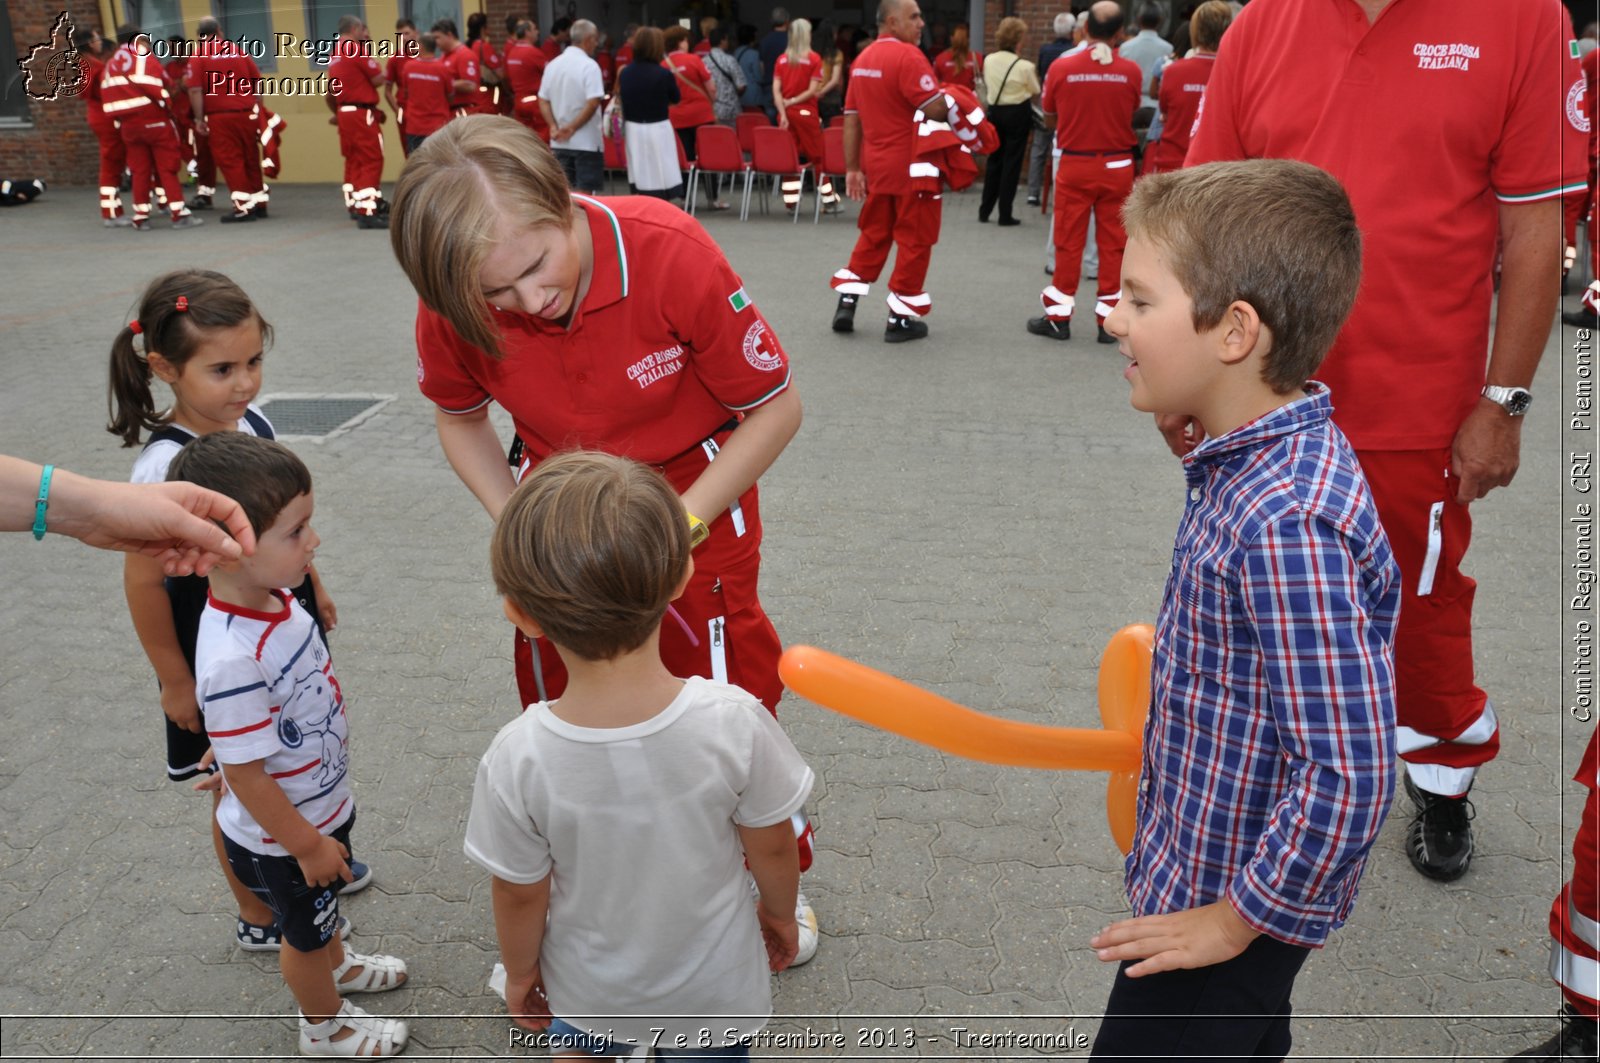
(808, 931)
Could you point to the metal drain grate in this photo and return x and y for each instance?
(320, 416)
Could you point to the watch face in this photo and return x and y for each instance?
(1517, 403)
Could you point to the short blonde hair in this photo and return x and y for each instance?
(452, 205)
(1209, 22)
(1277, 234)
(591, 547)
(1010, 33)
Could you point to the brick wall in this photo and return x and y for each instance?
(497, 10)
(58, 146)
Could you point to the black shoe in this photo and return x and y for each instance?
(901, 329)
(1564, 282)
(1033, 201)
(201, 203)
(1582, 318)
(1102, 336)
(1009, 221)
(259, 211)
(844, 316)
(1056, 330)
(372, 221)
(1575, 1040)
(983, 218)
(383, 207)
(1439, 840)
(230, 219)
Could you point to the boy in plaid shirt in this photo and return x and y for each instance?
(1269, 755)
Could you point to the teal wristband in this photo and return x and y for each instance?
(43, 502)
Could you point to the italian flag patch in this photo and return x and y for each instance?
(740, 299)
(1572, 50)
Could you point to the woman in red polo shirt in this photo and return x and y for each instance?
(571, 314)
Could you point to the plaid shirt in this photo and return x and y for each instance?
(1269, 755)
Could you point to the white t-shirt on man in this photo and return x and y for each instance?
(571, 80)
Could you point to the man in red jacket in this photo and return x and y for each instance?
(354, 78)
(1090, 96)
(222, 98)
(113, 155)
(890, 84)
(134, 93)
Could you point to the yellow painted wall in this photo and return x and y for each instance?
(310, 144)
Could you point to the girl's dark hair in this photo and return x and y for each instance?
(209, 301)
(477, 22)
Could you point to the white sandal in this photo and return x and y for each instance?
(379, 974)
(370, 1036)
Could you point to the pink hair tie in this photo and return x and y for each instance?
(183, 303)
(134, 327)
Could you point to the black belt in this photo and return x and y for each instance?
(1098, 154)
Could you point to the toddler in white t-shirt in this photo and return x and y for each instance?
(618, 821)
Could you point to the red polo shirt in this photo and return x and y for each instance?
(1094, 102)
(224, 75)
(463, 67)
(1470, 97)
(394, 73)
(794, 78)
(427, 89)
(944, 65)
(1182, 83)
(692, 108)
(889, 81)
(354, 72)
(650, 366)
(525, 64)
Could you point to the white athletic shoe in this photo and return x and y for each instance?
(808, 931)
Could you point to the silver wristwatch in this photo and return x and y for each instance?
(1514, 401)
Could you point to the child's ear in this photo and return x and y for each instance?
(1239, 332)
(683, 584)
(162, 368)
(524, 623)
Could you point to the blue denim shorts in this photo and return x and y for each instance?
(307, 915)
(565, 1039)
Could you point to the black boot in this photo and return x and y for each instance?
(1439, 840)
(1102, 336)
(902, 328)
(1050, 327)
(1575, 1040)
(844, 315)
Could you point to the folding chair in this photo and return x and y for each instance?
(776, 156)
(746, 125)
(616, 160)
(833, 155)
(718, 149)
(690, 171)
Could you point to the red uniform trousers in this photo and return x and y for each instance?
(1084, 184)
(205, 167)
(113, 159)
(1447, 728)
(270, 127)
(1575, 915)
(1591, 295)
(807, 130)
(528, 113)
(361, 144)
(237, 150)
(152, 147)
(909, 221)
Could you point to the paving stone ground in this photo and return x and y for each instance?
(975, 513)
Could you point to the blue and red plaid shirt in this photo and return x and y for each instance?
(1269, 755)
